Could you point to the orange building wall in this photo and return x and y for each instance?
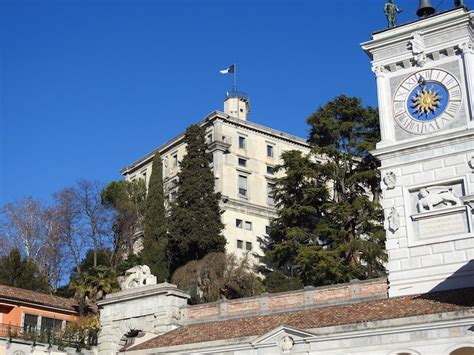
(13, 317)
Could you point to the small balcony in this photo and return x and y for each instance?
(221, 143)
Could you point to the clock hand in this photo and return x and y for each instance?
(422, 81)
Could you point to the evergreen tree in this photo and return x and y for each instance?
(21, 272)
(127, 199)
(329, 225)
(195, 220)
(155, 243)
(344, 132)
(295, 246)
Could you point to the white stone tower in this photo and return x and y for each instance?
(237, 105)
(425, 86)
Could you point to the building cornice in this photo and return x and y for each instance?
(249, 208)
(405, 31)
(410, 147)
(209, 119)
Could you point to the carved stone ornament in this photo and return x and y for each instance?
(434, 196)
(137, 276)
(467, 48)
(287, 344)
(417, 45)
(378, 70)
(471, 162)
(390, 179)
(393, 220)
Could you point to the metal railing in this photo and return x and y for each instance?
(62, 339)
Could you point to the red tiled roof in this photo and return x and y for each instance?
(19, 295)
(400, 307)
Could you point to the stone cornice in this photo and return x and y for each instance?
(143, 292)
(439, 140)
(391, 40)
(250, 208)
(209, 120)
(404, 32)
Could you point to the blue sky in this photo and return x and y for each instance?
(87, 87)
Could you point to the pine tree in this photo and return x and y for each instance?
(155, 242)
(127, 200)
(195, 218)
(329, 225)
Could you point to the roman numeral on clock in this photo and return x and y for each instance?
(456, 93)
(452, 108)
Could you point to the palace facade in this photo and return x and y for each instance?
(244, 156)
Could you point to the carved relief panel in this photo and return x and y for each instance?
(437, 212)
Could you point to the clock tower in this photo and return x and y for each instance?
(425, 85)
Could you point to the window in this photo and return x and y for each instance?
(239, 223)
(270, 170)
(270, 199)
(241, 142)
(144, 176)
(175, 159)
(30, 322)
(269, 151)
(248, 246)
(242, 186)
(50, 324)
(209, 138)
(248, 225)
(268, 230)
(242, 162)
(240, 244)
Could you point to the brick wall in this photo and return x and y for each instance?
(268, 303)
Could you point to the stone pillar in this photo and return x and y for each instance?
(385, 117)
(467, 50)
(153, 309)
(218, 147)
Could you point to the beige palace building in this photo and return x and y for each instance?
(244, 155)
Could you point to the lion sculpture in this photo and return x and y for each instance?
(431, 197)
(137, 276)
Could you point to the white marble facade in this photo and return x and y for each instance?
(427, 177)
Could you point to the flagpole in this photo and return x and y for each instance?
(235, 77)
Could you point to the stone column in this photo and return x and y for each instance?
(385, 117)
(467, 50)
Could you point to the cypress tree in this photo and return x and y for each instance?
(155, 242)
(195, 219)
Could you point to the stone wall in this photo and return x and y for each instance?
(153, 309)
(440, 255)
(267, 303)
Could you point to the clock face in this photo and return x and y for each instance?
(427, 101)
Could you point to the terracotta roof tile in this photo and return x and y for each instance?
(317, 317)
(21, 295)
